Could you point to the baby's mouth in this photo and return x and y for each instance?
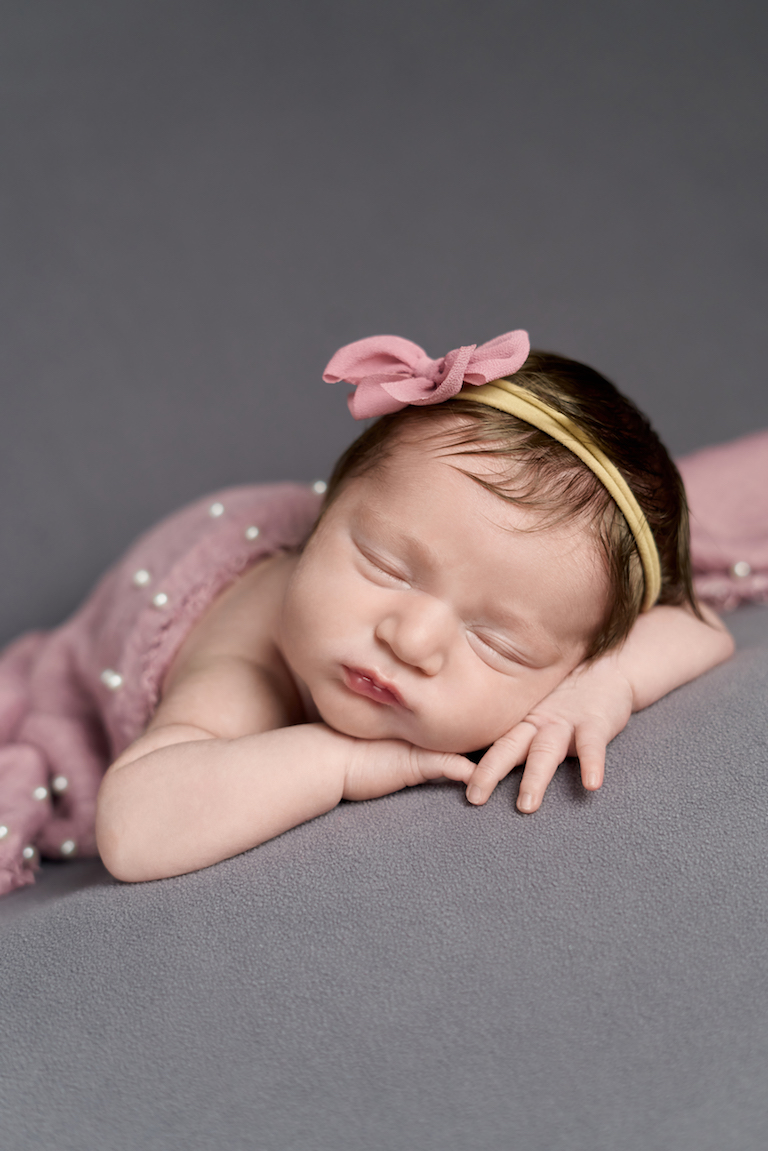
(364, 683)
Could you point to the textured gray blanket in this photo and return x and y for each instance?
(414, 973)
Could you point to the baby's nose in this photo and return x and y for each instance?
(418, 634)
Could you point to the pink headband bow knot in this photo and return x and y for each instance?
(389, 373)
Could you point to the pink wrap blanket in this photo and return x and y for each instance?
(73, 698)
(727, 490)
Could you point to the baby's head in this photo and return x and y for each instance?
(468, 560)
(531, 470)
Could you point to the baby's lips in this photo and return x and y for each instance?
(364, 682)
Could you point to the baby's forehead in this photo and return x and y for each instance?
(454, 442)
(512, 501)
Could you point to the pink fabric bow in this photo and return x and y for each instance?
(389, 373)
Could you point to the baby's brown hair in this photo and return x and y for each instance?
(545, 475)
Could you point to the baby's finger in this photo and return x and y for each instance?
(591, 742)
(499, 760)
(438, 765)
(548, 750)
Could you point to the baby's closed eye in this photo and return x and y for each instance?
(382, 567)
(500, 650)
(493, 647)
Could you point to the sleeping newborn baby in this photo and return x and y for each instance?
(500, 562)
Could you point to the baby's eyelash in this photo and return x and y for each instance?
(378, 567)
(507, 655)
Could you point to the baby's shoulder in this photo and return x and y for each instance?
(229, 668)
(124, 638)
(240, 622)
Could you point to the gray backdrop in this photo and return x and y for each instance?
(202, 199)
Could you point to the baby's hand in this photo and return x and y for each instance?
(580, 717)
(380, 766)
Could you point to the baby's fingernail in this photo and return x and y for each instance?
(592, 782)
(474, 794)
(525, 802)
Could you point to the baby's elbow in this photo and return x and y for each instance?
(114, 857)
(723, 643)
(117, 839)
(722, 646)
(728, 645)
(117, 855)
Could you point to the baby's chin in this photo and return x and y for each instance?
(459, 741)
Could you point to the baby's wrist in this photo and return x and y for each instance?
(610, 680)
(333, 755)
(622, 678)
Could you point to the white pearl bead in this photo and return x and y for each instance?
(68, 847)
(111, 679)
(59, 784)
(320, 487)
(142, 577)
(252, 533)
(3, 831)
(40, 793)
(28, 852)
(160, 600)
(742, 569)
(216, 510)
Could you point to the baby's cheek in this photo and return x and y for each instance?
(467, 727)
(475, 723)
(302, 632)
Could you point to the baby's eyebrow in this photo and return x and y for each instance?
(425, 554)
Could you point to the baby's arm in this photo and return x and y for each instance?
(666, 648)
(215, 774)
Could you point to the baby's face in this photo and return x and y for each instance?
(420, 610)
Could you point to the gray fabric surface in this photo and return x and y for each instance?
(413, 973)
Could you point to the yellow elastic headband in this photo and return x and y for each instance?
(508, 397)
